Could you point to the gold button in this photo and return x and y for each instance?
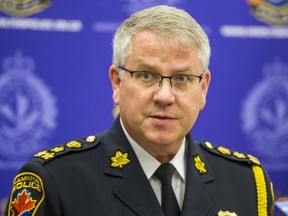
(90, 138)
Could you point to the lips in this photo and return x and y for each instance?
(162, 119)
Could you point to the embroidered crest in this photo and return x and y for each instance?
(45, 155)
(74, 144)
(226, 213)
(199, 165)
(48, 155)
(27, 194)
(58, 149)
(239, 155)
(223, 150)
(120, 160)
(39, 154)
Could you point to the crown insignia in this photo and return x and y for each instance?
(18, 63)
(276, 69)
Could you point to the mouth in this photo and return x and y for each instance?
(162, 119)
(162, 116)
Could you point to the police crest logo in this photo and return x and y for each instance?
(27, 110)
(274, 12)
(264, 115)
(27, 194)
(23, 7)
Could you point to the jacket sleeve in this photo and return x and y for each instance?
(33, 193)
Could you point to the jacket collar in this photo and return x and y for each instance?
(135, 190)
(198, 198)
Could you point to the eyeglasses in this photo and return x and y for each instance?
(147, 79)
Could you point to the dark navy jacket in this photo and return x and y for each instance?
(101, 175)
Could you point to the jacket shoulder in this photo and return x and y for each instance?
(70, 147)
(229, 154)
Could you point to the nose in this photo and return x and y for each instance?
(165, 77)
(164, 94)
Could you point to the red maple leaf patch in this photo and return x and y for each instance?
(23, 203)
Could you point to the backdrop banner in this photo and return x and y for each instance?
(54, 81)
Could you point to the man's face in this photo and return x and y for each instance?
(159, 117)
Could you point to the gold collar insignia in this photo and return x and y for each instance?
(199, 164)
(119, 160)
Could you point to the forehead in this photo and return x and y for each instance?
(152, 48)
(168, 40)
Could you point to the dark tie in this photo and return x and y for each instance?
(169, 202)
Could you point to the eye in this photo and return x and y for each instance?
(146, 75)
(181, 78)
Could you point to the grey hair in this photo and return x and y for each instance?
(172, 24)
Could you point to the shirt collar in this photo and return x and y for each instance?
(150, 164)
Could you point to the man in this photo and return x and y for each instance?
(160, 80)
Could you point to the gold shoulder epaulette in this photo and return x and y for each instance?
(72, 146)
(227, 153)
(258, 172)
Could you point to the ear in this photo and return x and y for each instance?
(115, 82)
(205, 87)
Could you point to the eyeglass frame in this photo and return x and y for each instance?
(200, 77)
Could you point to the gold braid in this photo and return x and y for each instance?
(261, 190)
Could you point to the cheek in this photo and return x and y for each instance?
(190, 115)
(192, 106)
(195, 101)
(129, 98)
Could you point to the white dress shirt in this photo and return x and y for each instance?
(150, 165)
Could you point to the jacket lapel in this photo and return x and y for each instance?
(134, 190)
(198, 199)
(133, 187)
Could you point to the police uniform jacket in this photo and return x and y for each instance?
(101, 175)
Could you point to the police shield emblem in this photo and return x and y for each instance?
(27, 194)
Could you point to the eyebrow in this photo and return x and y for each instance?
(144, 66)
(150, 68)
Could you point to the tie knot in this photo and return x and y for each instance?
(164, 173)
